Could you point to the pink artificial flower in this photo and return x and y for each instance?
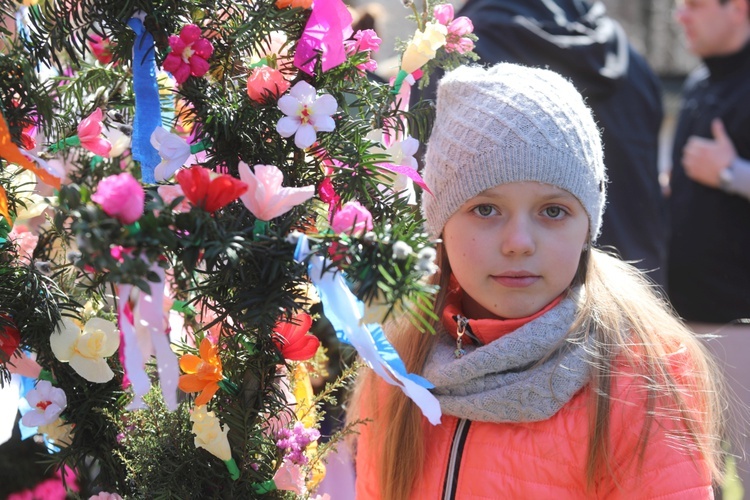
(456, 40)
(352, 218)
(266, 83)
(90, 134)
(105, 496)
(364, 40)
(25, 240)
(267, 198)
(101, 48)
(189, 54)
(289, 477)
(169, 193)
(121, 196)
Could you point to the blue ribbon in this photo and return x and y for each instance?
(147, 104)
(346, 312)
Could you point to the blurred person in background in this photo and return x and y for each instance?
(709, 258)
(577, 39)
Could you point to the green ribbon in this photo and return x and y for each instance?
(70, 141)
(200, 146)
(260, 227)
(400, 77)
(264, 487)
(228, 386)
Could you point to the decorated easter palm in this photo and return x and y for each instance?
(178, 181)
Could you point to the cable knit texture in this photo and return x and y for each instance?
(514, 378)
(510, 123)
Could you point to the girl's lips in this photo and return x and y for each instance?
(520, 280)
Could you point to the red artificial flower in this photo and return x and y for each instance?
(206, 192)
(10, 338)
(293, 340)
(101, 48)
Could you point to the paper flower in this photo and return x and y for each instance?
(190, 54)
(171, 192)
(47, 402)
(364, 40)
(266, 198)
(352, 218)
(173, 150)
(306, 113)
(86, 350)
(456, 40)
(60, 433)
(290, 477)
(121, 196)
(293, 340)
(101, 48)
(208, 190)
(266, 83)
(90, 134)
(423, 46)
(10, 338)
(210, 434)
(106, 496)
(203, 373)
(120, 138)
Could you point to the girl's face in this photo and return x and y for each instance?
(515, 247)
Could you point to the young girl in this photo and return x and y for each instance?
(559, 372)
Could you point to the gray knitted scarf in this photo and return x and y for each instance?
(524, 376)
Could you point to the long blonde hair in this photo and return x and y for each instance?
(623, 321)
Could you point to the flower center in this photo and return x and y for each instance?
(42, 405)
(305, 114)
(187, 53)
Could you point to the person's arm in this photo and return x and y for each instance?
(714, 162)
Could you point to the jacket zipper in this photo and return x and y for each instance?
(454, 460)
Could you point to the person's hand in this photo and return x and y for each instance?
(704, 159)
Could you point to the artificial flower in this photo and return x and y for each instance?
(120, 137)
(101, 48)
(90, 134)
(173, 150)
(295, 4)
(265, 84)
(401, 250)
(121, 196)
(203, 372)
(293, 340)
(210, 434)
(306, 113)
(329, 25)
(47, 402)
(403, 163)
(456, 40)
(352, 218)
(10, 338)
(170, 192)
(266, 198)
(208, 190)
(105, 496)
(190, 54)
(364, 40)
(290, 477)
(423, 46)
(86, 350)
(25, 240)
(60, 433)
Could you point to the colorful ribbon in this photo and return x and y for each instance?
(11, 153)
(330, 23)
(346, 312)
(147, 103)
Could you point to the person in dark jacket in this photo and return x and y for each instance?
(578, 40)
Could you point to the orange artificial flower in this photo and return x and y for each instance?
(303, 4)
(293, 340)
(203, 373)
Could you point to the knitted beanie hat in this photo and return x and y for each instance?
(510, 123)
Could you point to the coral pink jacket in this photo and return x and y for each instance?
(540, 460)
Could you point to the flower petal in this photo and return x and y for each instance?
(289, 105)
(63, 342)
(325, 105)
(305, 136)
(208, 392)
(303, 92)
(93, 370)
(323, 123)
(287, 126)
(189, 363)
(112, 334)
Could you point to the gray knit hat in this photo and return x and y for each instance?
(511, 123)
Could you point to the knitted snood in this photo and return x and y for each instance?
(524, 376)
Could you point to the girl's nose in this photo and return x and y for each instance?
(518, 237)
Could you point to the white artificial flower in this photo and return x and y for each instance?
(173, 150)
(423, 46)
(401, 250)
(47, 402)
(306, 113)
(209, 433)
(85, 350)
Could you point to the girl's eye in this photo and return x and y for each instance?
(484, 210)
(554, 212)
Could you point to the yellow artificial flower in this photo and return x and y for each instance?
(423, 47)
(85, 350)
(60, 433)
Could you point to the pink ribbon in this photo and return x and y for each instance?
(330, 23)
(407, 171)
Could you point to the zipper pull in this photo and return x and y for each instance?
(460, 331)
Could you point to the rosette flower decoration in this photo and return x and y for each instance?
(204, 372)
(190, 54)
(352, 218)
(86, 350)
(212, 437)
(306, 114)
(265, 84)
(121, 196)
(47, 403)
